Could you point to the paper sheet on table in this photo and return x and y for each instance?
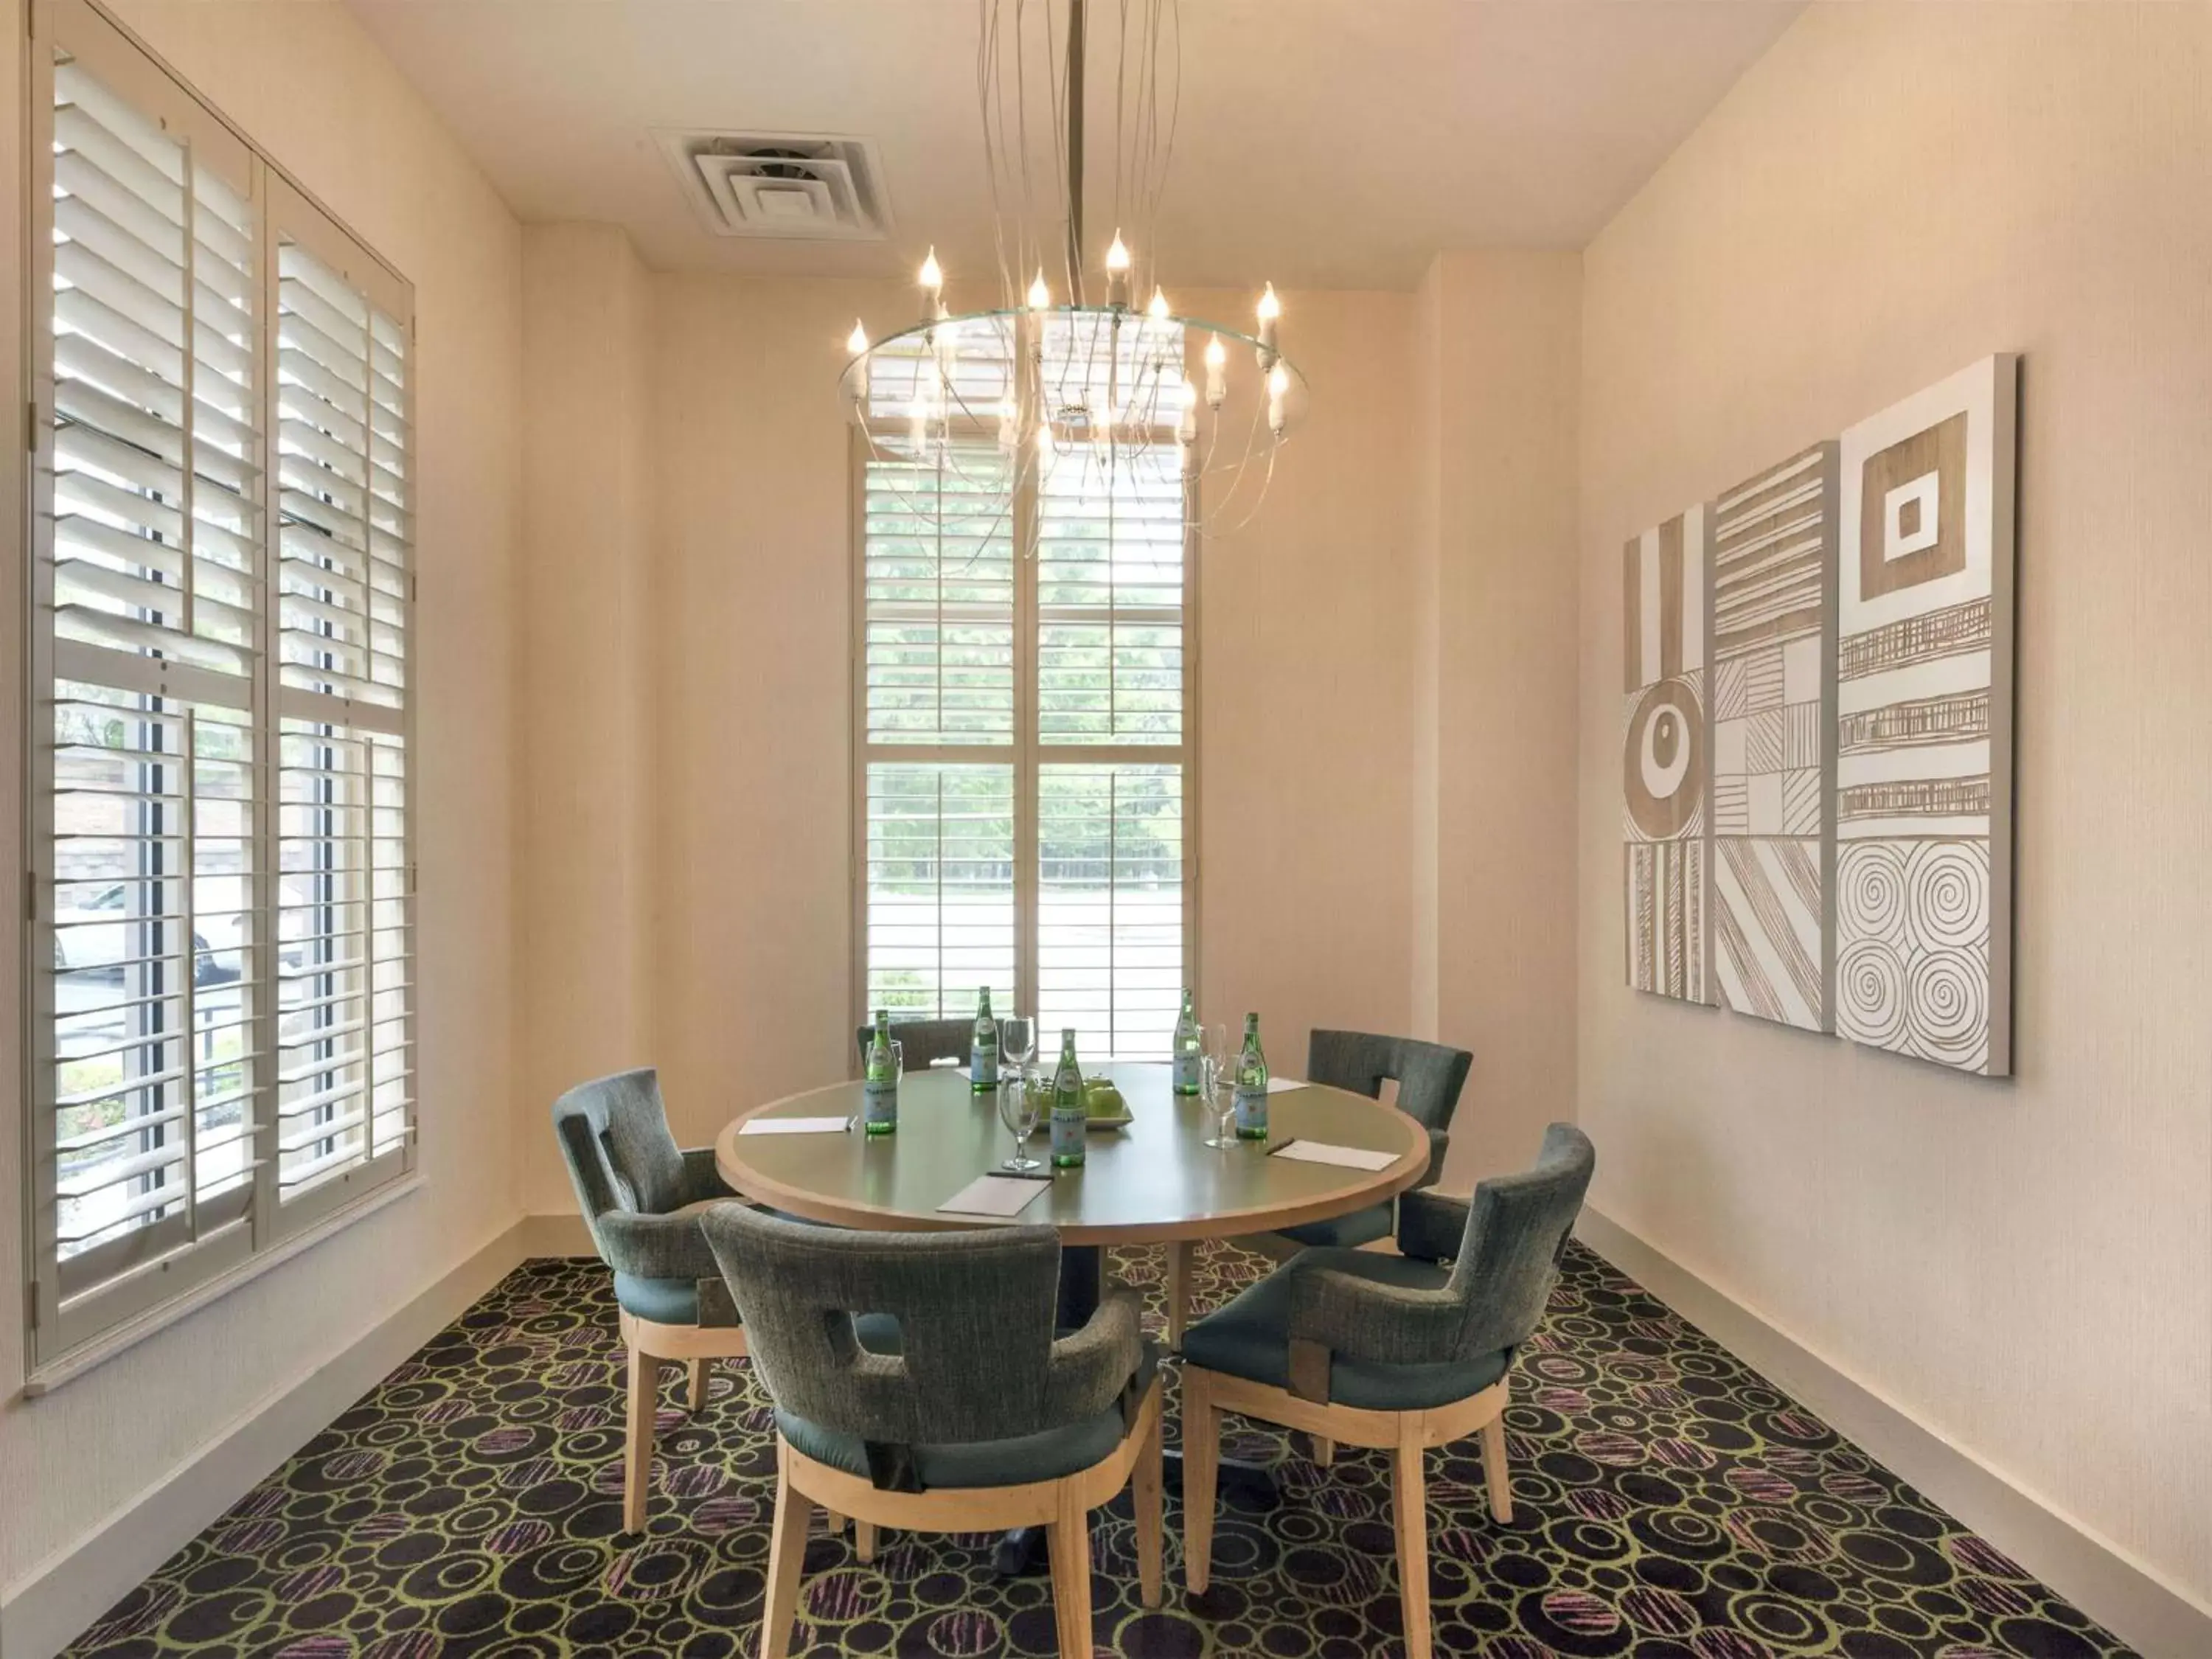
(996, 1194)
(794, 1125)
(1349, 1157)
(1277, 1084)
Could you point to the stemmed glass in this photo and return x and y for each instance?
(1217, 1068)
(1018, 1111)
(1019, 1099)
(1017, 1042)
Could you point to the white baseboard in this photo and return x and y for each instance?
(2125, 1597)
(48, 1608)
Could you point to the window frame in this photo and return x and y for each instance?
(170, 1272)
(1025, 754)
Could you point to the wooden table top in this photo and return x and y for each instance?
(1152, 1181)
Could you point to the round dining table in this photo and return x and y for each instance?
(1152, 1181)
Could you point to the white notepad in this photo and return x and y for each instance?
(1277, 1084)
(996, 1194)
(1349, 1157)
(794, 1125)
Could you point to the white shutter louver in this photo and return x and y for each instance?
(343, 1063)
(1059, 873)
(220, 1015)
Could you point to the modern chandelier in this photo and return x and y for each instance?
(1074, 373)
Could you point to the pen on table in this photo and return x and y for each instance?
(1284, 1147)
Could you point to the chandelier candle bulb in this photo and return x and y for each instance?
(857, 344)
(1187, 429)
(933, 284)
(1217, 372)
(1270, 310)
(1117, 275)
(1279, 390)
(1040, 295)
(1157, 310)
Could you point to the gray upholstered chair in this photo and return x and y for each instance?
(1406, 1352)
(918, 1382)
(640, 1196)
(1429, 1077)
(923, 1042)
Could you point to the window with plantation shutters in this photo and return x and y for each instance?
(1021, 707)
(221, 1039)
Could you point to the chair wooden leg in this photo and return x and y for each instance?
(1146, 1495)
(1201, 1461)
(637, 1473)
(1410, 1502)
(1178, 1290)
(696, 1395)
(1324, 1449)
(832, 1523)
(787, 1557)
(1494, 1471)
(1069, 1544)
(864, 1539)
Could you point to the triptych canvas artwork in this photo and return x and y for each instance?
(1816, 766)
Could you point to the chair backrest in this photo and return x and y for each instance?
(923, 1042)
(615, 1139)
(1518, 1227)
(975, 1312)
(1428, 1075)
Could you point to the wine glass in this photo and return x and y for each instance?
(1019, 1100)
(1217, 1073)
(1017, 1042)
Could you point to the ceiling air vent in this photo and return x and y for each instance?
(760, 184)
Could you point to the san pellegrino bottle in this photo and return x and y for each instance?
(1251, 1084)
(1188, 1046)
(983, 1047)
(1071, 1123)
(879, 1092)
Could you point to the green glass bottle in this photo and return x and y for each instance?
(879, 1090)
(983, 1047)
(1071, 1121)
(1251, 1084)
(1189, 1047)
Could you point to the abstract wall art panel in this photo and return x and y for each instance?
(1923, 725)
(1773, 584)
(1665, 760)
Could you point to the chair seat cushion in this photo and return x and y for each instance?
(1345, 1231)
(1044, 1456)
(663, 1301)
(1250, 1338)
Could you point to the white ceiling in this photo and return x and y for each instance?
(1331, 143)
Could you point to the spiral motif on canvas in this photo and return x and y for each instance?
(1870, 992)
(1948, 894)
(1871, 891)
(1947, 992)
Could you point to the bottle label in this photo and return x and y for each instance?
(879, 1105)
(1069, 1126)
(983, 1063)
(1252, 1113)
(1186, 1073)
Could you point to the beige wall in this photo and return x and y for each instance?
(1893, 192)
(304, 81)
(585, 755)
(1494, 726)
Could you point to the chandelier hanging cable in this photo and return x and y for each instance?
(984, 399)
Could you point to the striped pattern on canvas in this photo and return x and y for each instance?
(1924, 638)
(1925, 720)
(1768, 555)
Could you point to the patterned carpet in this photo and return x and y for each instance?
(1669, 1504)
